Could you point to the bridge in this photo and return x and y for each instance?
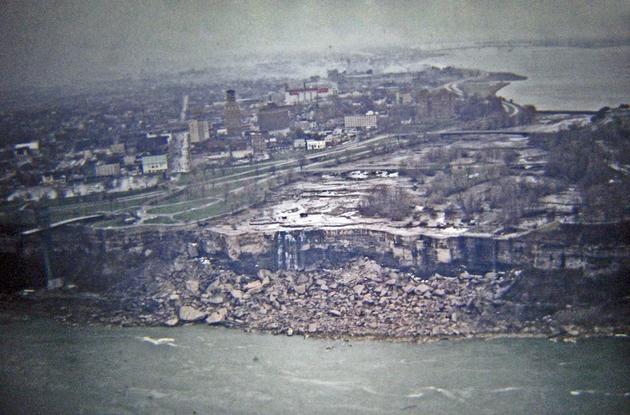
(479, 132)
(61, 223)
(566, 112)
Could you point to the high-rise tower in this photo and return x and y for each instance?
(232, 114)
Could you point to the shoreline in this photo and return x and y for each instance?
(12, 316)
(360, 300)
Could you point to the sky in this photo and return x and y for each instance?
(56, 41)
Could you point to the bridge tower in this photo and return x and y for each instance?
(43, 222)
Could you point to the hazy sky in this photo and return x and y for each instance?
(58, 40)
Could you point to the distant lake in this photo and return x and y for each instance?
(567, 78)
(48, 368)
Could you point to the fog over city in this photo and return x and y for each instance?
(59, 42)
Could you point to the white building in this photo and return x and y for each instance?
(26, 149)
(361, 121)
(105, 170)
(154, 164)
(307, 94)
(315, 145)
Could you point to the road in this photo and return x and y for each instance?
(510, 108)
(453, 87)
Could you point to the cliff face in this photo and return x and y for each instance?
(591, 248)
(96, 258)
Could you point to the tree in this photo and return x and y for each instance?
(387, 201)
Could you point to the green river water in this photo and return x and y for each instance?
(49, 368)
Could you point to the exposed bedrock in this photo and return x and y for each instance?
(96, 258)
(590, 248)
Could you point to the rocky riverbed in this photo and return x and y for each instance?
(360, 299)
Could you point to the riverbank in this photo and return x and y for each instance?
(360, 299)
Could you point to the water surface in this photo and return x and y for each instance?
(48, 368)
(565, 78)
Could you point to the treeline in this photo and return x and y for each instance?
(593, 159)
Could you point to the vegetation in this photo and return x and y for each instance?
(387, 202)
(591, 159)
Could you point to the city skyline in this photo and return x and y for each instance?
(59, 42)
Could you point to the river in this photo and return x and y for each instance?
(49, 368)
(566, 78)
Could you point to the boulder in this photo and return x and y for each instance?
(335, 313)
(264, 273)
(422, 288)
(312, 328)
(348, 278)
(189, 314)
(289, 331)
(172, 322)
(215, 300)
(217, 316)
(409, 288)
(358, 289)
(254, 287)
(237, 294)
(179, 266)
(439, 292)
(192, 285)
(300, 289)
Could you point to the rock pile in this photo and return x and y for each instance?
(362, 298)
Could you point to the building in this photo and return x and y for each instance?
(232, 114)
(107, 170)
(312, 144)
(154, 164)
(273, 118)
(199, 131)
(153, 143)
(307, 94)
(259, 144)
(118, 148)
(299, 143)
(361, 121)
(26, 149)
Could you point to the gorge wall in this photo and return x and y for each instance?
(97, 258)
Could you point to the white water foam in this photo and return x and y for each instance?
(169, 341)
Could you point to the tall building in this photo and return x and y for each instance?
(199, 131)
(273, 117)
(232, 114)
